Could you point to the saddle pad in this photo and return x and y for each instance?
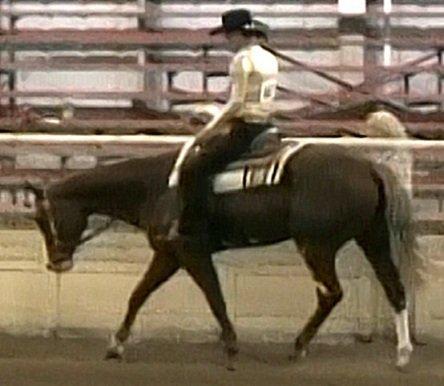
(246, 174)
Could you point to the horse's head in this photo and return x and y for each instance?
(61, 222)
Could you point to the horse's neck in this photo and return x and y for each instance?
(154, 175)
(127, 191)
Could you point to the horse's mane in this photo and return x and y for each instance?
(117, 178)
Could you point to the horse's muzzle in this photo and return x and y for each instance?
(60, 266)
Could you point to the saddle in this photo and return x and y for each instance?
(263, 164)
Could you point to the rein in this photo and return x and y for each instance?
(66, 246)
(351, 89)
(297, 63)
(47, 225)
(96, 232)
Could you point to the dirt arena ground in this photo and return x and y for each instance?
(71, 362)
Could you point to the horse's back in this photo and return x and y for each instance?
(330, 189)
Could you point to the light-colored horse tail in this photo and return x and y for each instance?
(384, 124)
(404, 245)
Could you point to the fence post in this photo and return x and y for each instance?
(152, 80)
(351, 27)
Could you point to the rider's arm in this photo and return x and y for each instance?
(241, 70)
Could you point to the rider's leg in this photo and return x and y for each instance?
(209, 155)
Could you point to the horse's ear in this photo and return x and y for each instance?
(39, 192)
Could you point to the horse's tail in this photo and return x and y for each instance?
(403, 232)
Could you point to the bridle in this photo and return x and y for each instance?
(62, 250)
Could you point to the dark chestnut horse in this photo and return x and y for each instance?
(326, 197)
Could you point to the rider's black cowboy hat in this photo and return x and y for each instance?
(239, 20)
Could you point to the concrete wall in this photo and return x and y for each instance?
(269, 291)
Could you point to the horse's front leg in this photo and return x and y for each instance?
(200, 267)
(161, 269)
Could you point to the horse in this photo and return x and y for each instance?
(326, 197)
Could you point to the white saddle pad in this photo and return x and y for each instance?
(248, 174)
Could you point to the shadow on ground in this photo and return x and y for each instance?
(38, 361)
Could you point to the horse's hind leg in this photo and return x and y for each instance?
(321, 261)
(200, 267)
(161, 269)
(376, 245)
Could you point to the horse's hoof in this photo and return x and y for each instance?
(364, 338)
(231, 354)
(113, 355)
(298, 354)
(403, 358)
(115, 349)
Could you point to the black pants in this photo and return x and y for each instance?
(210, 155)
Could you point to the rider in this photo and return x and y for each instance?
(253, 75)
